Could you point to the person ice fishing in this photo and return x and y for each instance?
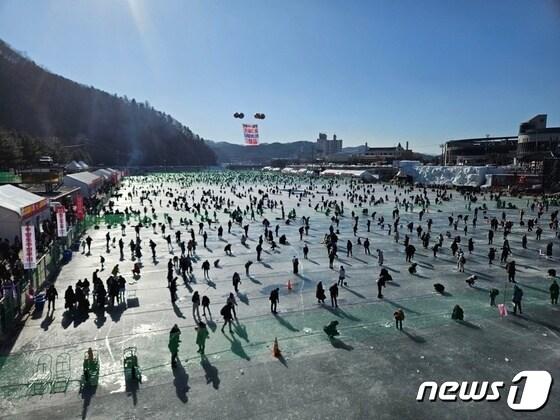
(331, 330)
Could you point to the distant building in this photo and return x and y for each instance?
(326, 147)
(537, 142)
(534, 143)
(480, 151)
(387, 154)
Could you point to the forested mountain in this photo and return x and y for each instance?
(236, 153)
(43, 113)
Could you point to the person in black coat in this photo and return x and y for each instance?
(236, 280)
(320, 293)
(334, 295)
(274, 299)
(206, 306)
(69, 298)
(226, 313)
(295, 264)
(51, 295)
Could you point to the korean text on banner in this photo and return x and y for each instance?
(61, 226)
(28, 245)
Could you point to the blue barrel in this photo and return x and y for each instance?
(67, 256)
(39, 302)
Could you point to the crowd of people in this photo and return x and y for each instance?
(254, 207)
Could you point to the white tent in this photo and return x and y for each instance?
(116, 173)
(87, 182)
(73, 167)
(364, 175)
(18, 207)
(106, 174)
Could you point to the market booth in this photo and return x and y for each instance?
(19, 207)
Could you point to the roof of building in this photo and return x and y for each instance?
(17, 199)
(382, 148)
(61, 192)
(85, 177)
(483, 139)
(105, 173)
(74, 166)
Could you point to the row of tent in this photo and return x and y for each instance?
(76, 166)
(19, 207)
(364, 175)
(90, 182)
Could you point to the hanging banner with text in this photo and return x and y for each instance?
(61, 226)
(28, 247)
(251, 132)
(79, 203)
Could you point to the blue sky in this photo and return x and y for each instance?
(375, 71)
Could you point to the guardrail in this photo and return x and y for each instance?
(15, 302)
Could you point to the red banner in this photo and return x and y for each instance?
(79, 203)
(61, 226)
(28, 245)
(251, 133)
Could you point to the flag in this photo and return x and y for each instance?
(62, 229)
(79, 203)
(28, 245)
(251, 132)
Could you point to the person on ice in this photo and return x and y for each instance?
(399, 318)
(51, 295)
(320, 293)
(493, 294)
(331, 330)
(516, 299)
(274, 299)
(201, 336)
(227, 315)
(554, 292)
(341, 276)
(174, 340)
(236, 281)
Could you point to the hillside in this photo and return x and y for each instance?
(92, 124)
(262, 154)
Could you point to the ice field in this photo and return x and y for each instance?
(371, 370)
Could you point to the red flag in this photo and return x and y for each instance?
(79, 203)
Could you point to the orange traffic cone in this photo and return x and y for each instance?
(289, 285)
(275, 348)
